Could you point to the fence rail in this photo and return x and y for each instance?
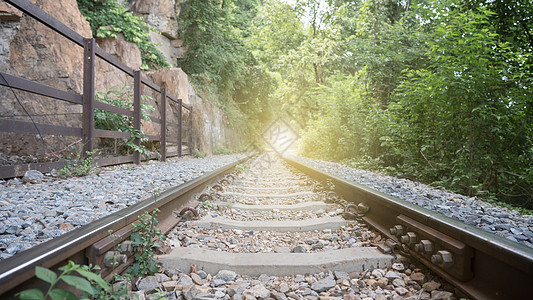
(87, 99)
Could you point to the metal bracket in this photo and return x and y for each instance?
(435, 248)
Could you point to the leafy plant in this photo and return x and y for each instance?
(207, 204)
(199, 153)
(221, 150)
(130, 143)
(330, 184)
(145, 239)
(241, 167)
(121, 291)
(121, 97)
(220, 64)
(90, 284)
(108, 18)
(76, 166)
(158, 294)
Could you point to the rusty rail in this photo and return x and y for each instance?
(87, 100)
(480, 264)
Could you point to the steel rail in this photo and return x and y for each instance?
(18, 271)
(484, 266)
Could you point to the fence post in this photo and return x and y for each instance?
(88, 96)
(163, 140)
(137, 113)
(189, 131)
(180, 110)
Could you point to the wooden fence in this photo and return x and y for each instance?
(88, 132)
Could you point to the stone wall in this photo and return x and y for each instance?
(33, 51)
(161, 15)
(209, 128)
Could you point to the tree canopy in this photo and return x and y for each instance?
(433, 90)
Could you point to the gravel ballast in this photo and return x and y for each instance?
(490, 217)
(283, 263)
(34, 213)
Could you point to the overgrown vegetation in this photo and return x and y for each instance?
(108, 18)
(437, 91)
(219, 63)
(75, 165)
(122, 97)
(199, 154)
(240, 168)
(222, 150)
(146, 239)
(89, 283)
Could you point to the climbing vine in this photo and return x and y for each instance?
(108, 18)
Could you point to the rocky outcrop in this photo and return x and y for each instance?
(208, 122)
(38, 53)
(9, 24)
(31, 50)
(9, 13)
(161, 15)
(110, 77)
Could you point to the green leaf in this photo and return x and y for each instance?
(96, 278)
(79, 283)
(45, 274)
(59, 294)
(33, 294)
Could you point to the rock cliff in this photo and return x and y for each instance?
(33, 51)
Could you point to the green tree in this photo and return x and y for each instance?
(276, 30)
(440, 92)
(464, 120)
(221, 64)
(347, 127)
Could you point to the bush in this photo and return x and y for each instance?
(105, 120)
(76, 166)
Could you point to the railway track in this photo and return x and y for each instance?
(282, 229)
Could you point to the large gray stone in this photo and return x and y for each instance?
(151, 283)
(193, 293)
(341, 275)
(218, 282)
(284, 287)
(237, 288)
(323, 285)
(33, 176)
(185, 280)
(441, 295)
(392, 275)
(282, 250)
(196, 279)
(226, 275)
(258, 291)
(299, 249)
(278, 295)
